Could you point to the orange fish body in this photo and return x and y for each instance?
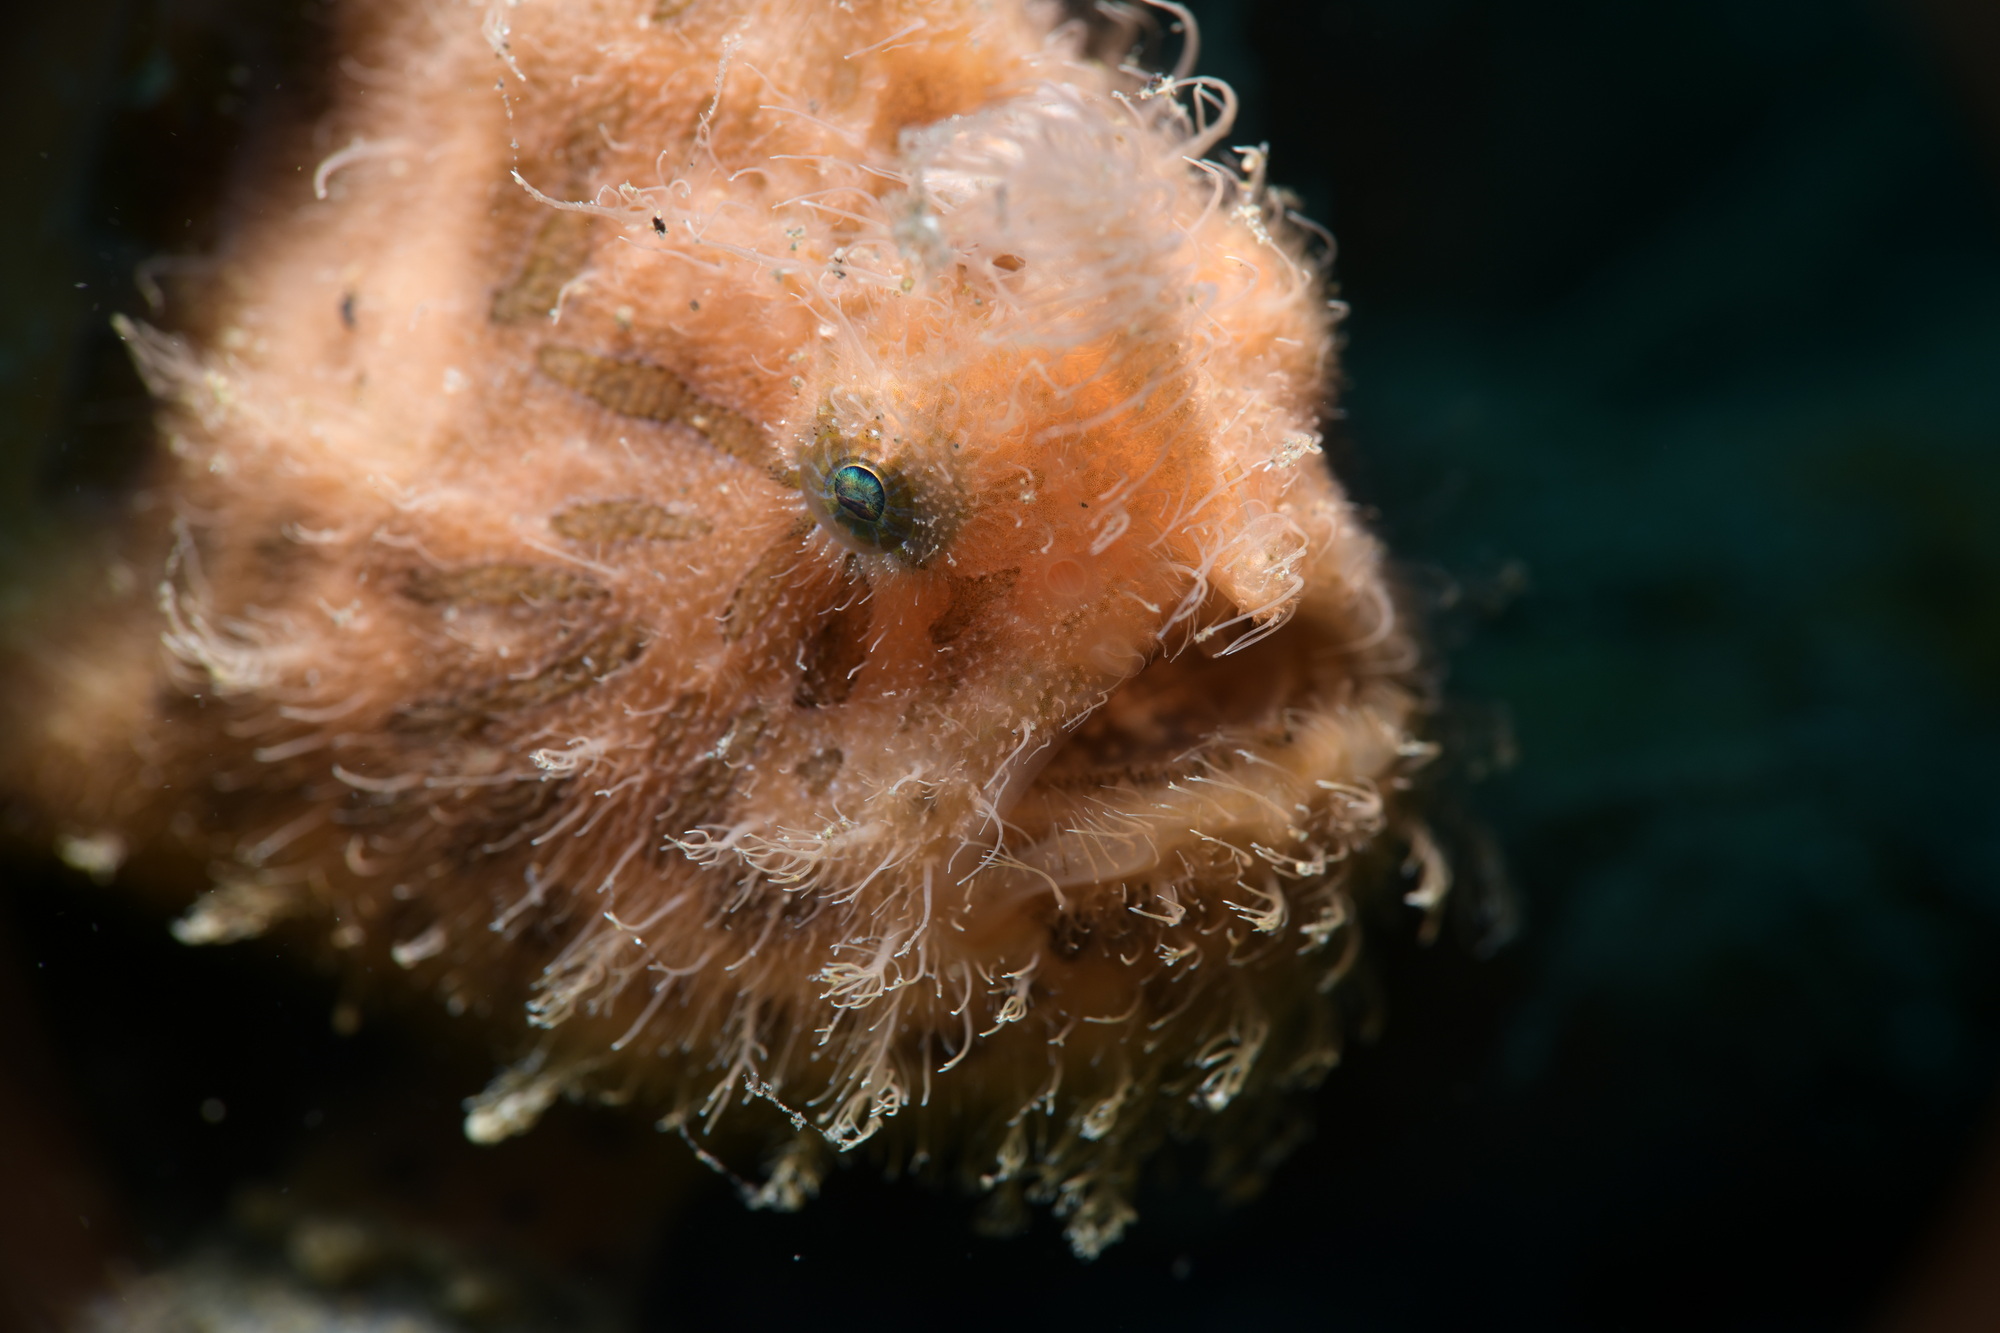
(775, 553)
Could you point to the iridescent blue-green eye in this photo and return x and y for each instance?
(857, 488)
(876, 491)
(869, 504)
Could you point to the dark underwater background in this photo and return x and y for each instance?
(1674, 380)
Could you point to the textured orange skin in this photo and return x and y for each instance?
(503, 649)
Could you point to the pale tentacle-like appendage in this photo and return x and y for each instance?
(780, 559)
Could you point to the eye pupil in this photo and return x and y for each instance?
(858, 490)
(869, 504)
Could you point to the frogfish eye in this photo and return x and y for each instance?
(871, 504)
(857, 488)
(880, 493)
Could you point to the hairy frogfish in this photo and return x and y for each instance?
(775, 557)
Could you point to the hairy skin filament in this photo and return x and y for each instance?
(779, 559)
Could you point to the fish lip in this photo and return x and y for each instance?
(1022, 770)
(1126, 784)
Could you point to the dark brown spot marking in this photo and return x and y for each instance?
(582, 662)
(839, 647)
(560, 250)
(764, 588)
(499, 585)
(818, 770)
(680, 715)
(709, 780)
(607, 521)
(629, 388)
(1068, 935)
(1074, 929)
(652, 393)
(970, 599)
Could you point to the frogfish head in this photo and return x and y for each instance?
(785, 562)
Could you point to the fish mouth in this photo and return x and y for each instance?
(1275, 755)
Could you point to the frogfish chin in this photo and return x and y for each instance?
(775, 556)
